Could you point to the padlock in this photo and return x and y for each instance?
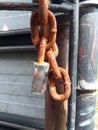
(40, 70)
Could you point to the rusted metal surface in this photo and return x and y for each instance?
(61, 108)
(58, 73)
(40, 69)
(43, 15)
(35, 36)
(57, 120)
(53, 63)
(49, 33)
(33, 6)
(66, 82)
(42, 50)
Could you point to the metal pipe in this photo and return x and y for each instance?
(87, 57)
(87, 66)
(61, 108)
(32, 6)
(74, 16)
(56, 112)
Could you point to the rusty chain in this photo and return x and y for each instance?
(45, 42)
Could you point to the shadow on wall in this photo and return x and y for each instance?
(56, 1)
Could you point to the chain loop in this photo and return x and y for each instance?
(45, 42)
(51, 32)
(66, 82)
(53, 63)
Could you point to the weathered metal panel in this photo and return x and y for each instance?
(16, 63)
(86, 105)
(11, 20)
(87, 60)
(16, 84)
(87, 67)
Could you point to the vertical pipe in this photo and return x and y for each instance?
(63, 44)
(49, 112)
(87, 66)
(73, 49)
(88, 38)
(56, 112)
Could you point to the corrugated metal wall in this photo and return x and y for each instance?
(11, 20)
(16, 84)
(16, 98)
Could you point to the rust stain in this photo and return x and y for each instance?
(67, 86)
(45, 40)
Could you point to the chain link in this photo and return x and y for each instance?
(45, 42)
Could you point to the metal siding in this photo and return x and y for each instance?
(16, 84)
(12, 20)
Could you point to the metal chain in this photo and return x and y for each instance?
(48, 31)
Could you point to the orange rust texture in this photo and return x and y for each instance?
(43, 16)
(35, 36)
(53, 63)
(51, 30)
(67, 88)
(46, 42)
(61, 108)
(42, 50)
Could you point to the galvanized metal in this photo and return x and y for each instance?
(73, 51)
(87, 66)
(40, 77)
(17, 49)
(21, 121)
(10, 126)
(86, 108)
(16, 97)
(10, 20)
(87, 61)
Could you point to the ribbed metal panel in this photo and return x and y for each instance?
(11, 20)
(16, 84)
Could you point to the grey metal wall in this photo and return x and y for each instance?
(16, 98)
(11, 20)
(15, 85)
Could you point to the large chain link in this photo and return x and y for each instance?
(46, 20)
